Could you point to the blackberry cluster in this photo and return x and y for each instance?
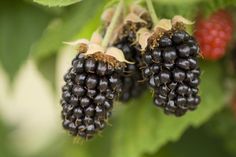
(87, 97)
(173, 72)
(132, 85)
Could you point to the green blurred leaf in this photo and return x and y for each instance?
(169, 10)
(183, 2)
(74, 22)
(223, 126)
(20, 26)
(194, 143)
(55, 3)
(6, 147)
(67, 146)
(211, 6)
(47, 67)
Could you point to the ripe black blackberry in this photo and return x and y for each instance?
(92, 83)
(172, 70)
(132, 80)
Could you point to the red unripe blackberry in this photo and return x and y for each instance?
(214, 34)
(172, 70)
(91, 85)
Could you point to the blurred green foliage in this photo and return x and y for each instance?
(21, 25)
(30, 30)
(223, 126)
(194, 143)
(47, 67)
(73, 21)
(6, 148)
(53, 3)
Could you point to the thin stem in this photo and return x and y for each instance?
(112, 25)
(152, 11)
(138, 1)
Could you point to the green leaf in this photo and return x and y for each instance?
(6, 149)
(68, 27)
(47, 67)
(194, 143)
(55, 3)
(211, 6)
(20, 26)
(223, 126)
(170, 10)
(183, 2)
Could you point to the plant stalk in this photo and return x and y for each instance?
(112, 25)
(152, 11)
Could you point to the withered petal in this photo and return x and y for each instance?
(137, 9)
(108, 14)
(117, 54)
(178, 18)
(96, 38)
(142, 37)
(93, 48)
(77, 42)
(133, 18)
(164, 24)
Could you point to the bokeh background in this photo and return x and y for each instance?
(33, 60)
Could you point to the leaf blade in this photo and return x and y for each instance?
(56, 3)
(68, 27)
(21, 24)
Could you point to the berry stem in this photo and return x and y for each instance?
(112, 25)
(152, 11)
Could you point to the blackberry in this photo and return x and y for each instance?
(132, 80)
(172, 70)
(91, 85)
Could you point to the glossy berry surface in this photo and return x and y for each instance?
(214, 34)
(173, 72)
(87, 96)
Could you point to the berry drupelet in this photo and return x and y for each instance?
(172, 70)
(91, 85)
